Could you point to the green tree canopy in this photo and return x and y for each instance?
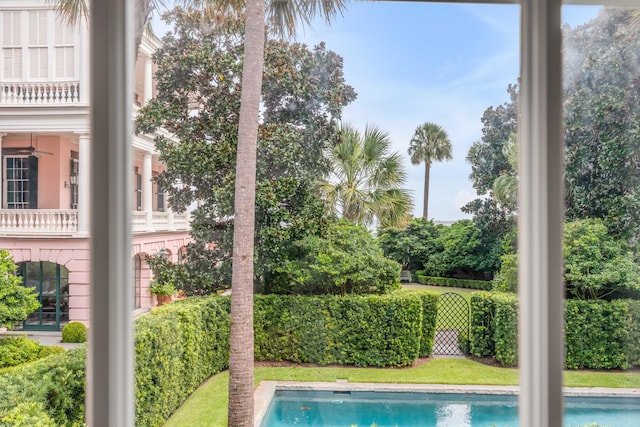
(412, 246)
(16, 301)
(364, 182)
(198, 101)
(346, 260)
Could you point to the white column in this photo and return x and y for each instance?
(148, 80)
(110, 396)
(84, 182)
(2, 135)
(147, 191)
(541, 211)
(85, 64)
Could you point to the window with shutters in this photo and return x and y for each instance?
(36, 46)
(21, 182)
(11, 46)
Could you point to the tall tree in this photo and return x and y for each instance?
(429, 144)
(365, 182)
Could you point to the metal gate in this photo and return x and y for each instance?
(452, 323)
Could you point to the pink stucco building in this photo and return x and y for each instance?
(45, 145)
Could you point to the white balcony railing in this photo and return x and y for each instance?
(40, 93)
(48, 222)
(39, 221)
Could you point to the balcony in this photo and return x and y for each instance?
(49, 93)
(64, 222)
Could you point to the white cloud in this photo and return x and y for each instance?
(463, 197)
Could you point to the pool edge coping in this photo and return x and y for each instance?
(266, 389)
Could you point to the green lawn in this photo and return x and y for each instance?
(208, 405)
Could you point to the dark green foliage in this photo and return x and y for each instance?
(482, 309)
(454, 283)
(16, 300)
(55, 384)
(494, 319)
(198, 80)
(505, 332)
(461, 253)
(74, 332)
(347, 260)
(506, 280)
(411, 247)
(350, 330)
(429, 318)
(177, 347)
(597, 264)
(597, 334)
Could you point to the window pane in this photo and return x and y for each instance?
(602, 193)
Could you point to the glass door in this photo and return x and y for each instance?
(51, 283)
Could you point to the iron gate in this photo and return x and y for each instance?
(452, 323)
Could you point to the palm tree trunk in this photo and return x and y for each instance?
(241, 346)
(425, 203)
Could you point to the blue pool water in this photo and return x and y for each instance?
(362, 409)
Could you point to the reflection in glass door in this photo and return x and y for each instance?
(51, 283)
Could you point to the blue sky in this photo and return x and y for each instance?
(416, 62)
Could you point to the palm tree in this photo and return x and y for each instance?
(505, 186)
(283, 17)
(429, 144)
(241, 333)
(365, 182)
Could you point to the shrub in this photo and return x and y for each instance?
(16, 301)
(494, 326)
(345, 261)
(429, 317)
(505, 329)
(481, 343)
(18, 350)
(55, 383)
(349, 330)
(74, 332)
(453, 282)
(507, 278)
(27, 414)
(597, 334)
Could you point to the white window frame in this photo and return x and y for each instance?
(110, 364)
(19, 47)
(25, 46)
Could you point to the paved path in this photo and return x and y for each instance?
(44, 338)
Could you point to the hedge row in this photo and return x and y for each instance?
(179, 345)
(50, 390)
(453, 282)
(598, 334)
(375, 330)
(493, 331)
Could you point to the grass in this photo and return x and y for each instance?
(208, 405)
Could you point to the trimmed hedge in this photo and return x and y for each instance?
(50, 388)
(373, 330)
(74, 332)
(18, 350)
(602, 334)
(598, 334)
(453, 282)
(179, 345)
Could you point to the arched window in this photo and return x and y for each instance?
(51, 283)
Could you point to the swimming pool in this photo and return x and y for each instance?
(419, 409)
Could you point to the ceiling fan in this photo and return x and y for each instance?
(31, 150)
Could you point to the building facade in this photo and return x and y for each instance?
(45, 144)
